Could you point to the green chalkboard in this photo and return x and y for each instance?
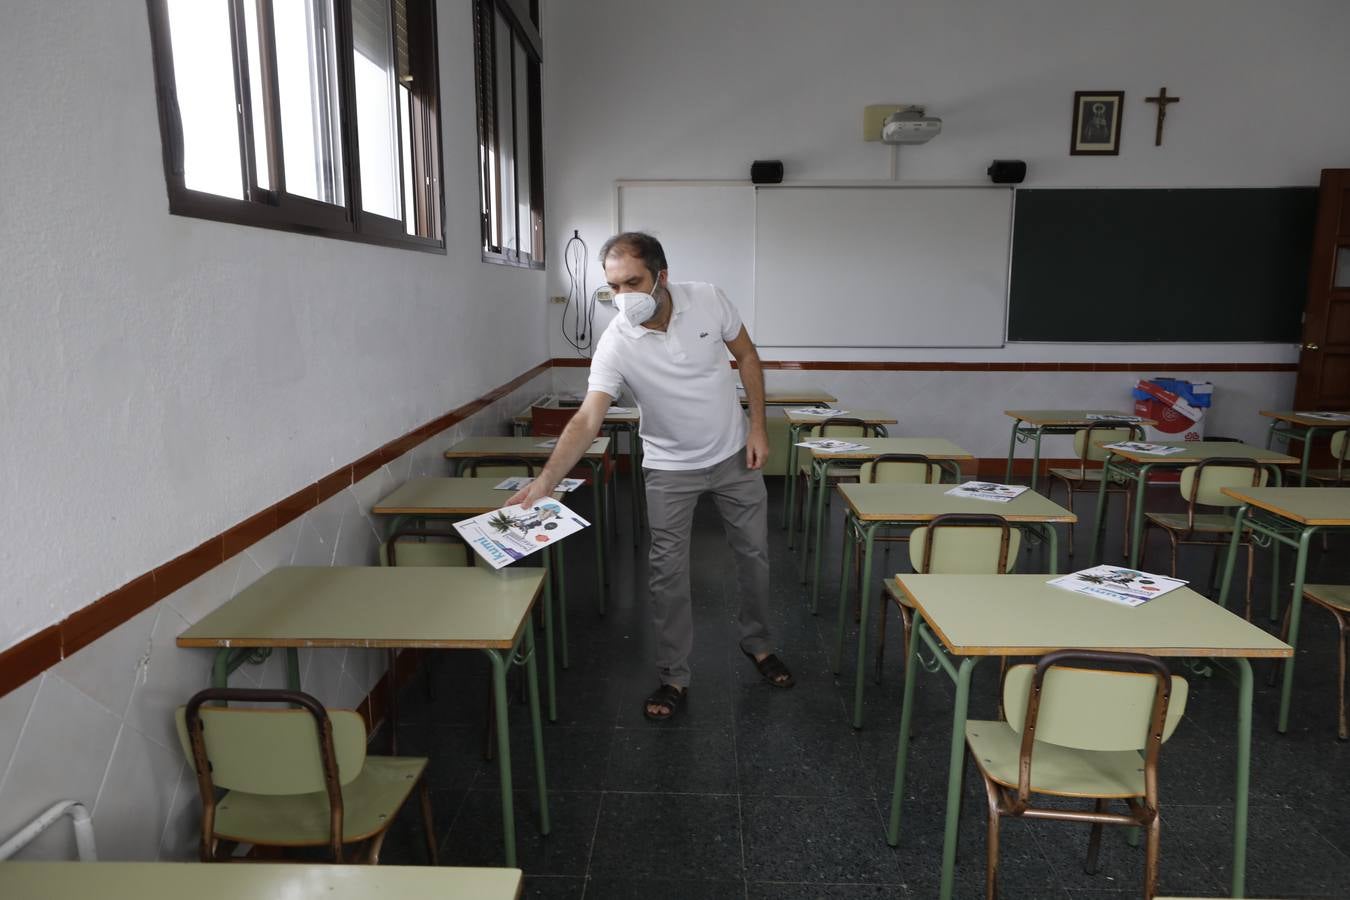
(1186, 265)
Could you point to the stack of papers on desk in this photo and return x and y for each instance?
(619, 410)
(822, 411)
(1106, 417)
(987, 490)
(1143, 447)
(831, 445)
(514, 532)
(1328, 416)
(516, 482)
(551, 442)
(1127, 587)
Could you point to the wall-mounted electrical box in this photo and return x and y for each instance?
(874, 117)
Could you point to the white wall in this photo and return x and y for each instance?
(163, 378)
(644, 89)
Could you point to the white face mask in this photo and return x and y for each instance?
(635, 306)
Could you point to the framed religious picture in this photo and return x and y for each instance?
(1096, 123)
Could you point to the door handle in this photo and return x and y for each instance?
(1310, 347)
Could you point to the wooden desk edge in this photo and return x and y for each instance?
(1275, 459)
(246, 643)
(1273, 509)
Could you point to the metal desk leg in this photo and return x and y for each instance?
(499, 664)
(1307, 452)
(844, 581)
(1036, 457)
(1099, 516)
(815, 568)
(902, 742)
(869, 531)
(537, 729)
(790, 503)
(1137, 514)
(560, 591)
(1012, 449)
(955, 769)
(805, 508)
(601, 572)
(1295, 610)
(1052, 547)
(549, 642)
(1244, 763)
(1234, 543)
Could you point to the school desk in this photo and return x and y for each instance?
(870, 507)
(1291, 426)
(1032, 424)
(974, 617)
(428, 608)
(800, 424)
(1288, 516)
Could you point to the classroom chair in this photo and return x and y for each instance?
(1201, 485)
(1081, 478)
(950, 544)
(892, 468)
(502, 467)
(1337, 476)
(425, 547)
(297, 777)
(842, 427)
(1079, 732)
(1335, 599)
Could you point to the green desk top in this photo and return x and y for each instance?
(445, 497)
(628, 417)
(1296, 418)
(1197, 450)
(1021, 615)
(486, 447)
(921, 502)
(1069, 416)
(374, 606)
(800, 395)
(1306, 505)
(280, 881)
(933, 448)
(870, 416)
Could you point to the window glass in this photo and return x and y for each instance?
(377, 123)
(307, 82)
(506, 208)
(203, 72)
(257, 91)
(523, 147)
(405, 129)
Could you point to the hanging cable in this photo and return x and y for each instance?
(578, 321)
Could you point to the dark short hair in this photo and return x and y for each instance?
(639, 244)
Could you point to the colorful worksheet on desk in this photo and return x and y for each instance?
(823, 411)
(1144, 447)
(1128, 587)
(987, 490)
(1107, 417)
(516, 482)
(831, 445)
(1325, 416)
(514, 532)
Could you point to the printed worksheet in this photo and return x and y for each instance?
(1144, 447)
(1106, 417)
(514, 532)
(1128, 587)
(822, 411)
(1326, 416)
(551, 442)
(831, 445)
(987, 490)
(516, 482)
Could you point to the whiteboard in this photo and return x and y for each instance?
(707, 230)
(881, 266)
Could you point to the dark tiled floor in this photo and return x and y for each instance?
(754, 792)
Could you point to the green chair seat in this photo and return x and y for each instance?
(370, 802)
(1086, 476)
(1213, 523)
(1335, 596)
(1059, 771)
(428, 553)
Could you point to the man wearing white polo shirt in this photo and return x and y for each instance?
(669, 345)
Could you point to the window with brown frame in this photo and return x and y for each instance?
(319, 116)
(510, 134)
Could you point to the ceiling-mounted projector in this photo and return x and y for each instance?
(910, 125)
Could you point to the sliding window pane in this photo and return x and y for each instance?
(405, 129)
(376, 117)
(506, 158)
(203, 71)
(522, 70)
(257, 95)
(308, 86)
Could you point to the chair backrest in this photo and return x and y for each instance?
(549, 421)
(500, 467)
(425, 547)
(1203, 483)
(271, 751)
(964, 544)
(900, 468)
(1094, 708)
(843, 426)
(1106, 431)
(1340, 443)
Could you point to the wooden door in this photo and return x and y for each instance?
(1324, 360)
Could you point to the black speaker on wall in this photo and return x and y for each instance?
(766, 171)
(1007, 171)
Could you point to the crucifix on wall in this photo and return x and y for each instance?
(1162, 100)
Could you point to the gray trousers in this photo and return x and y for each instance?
(743, 503)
